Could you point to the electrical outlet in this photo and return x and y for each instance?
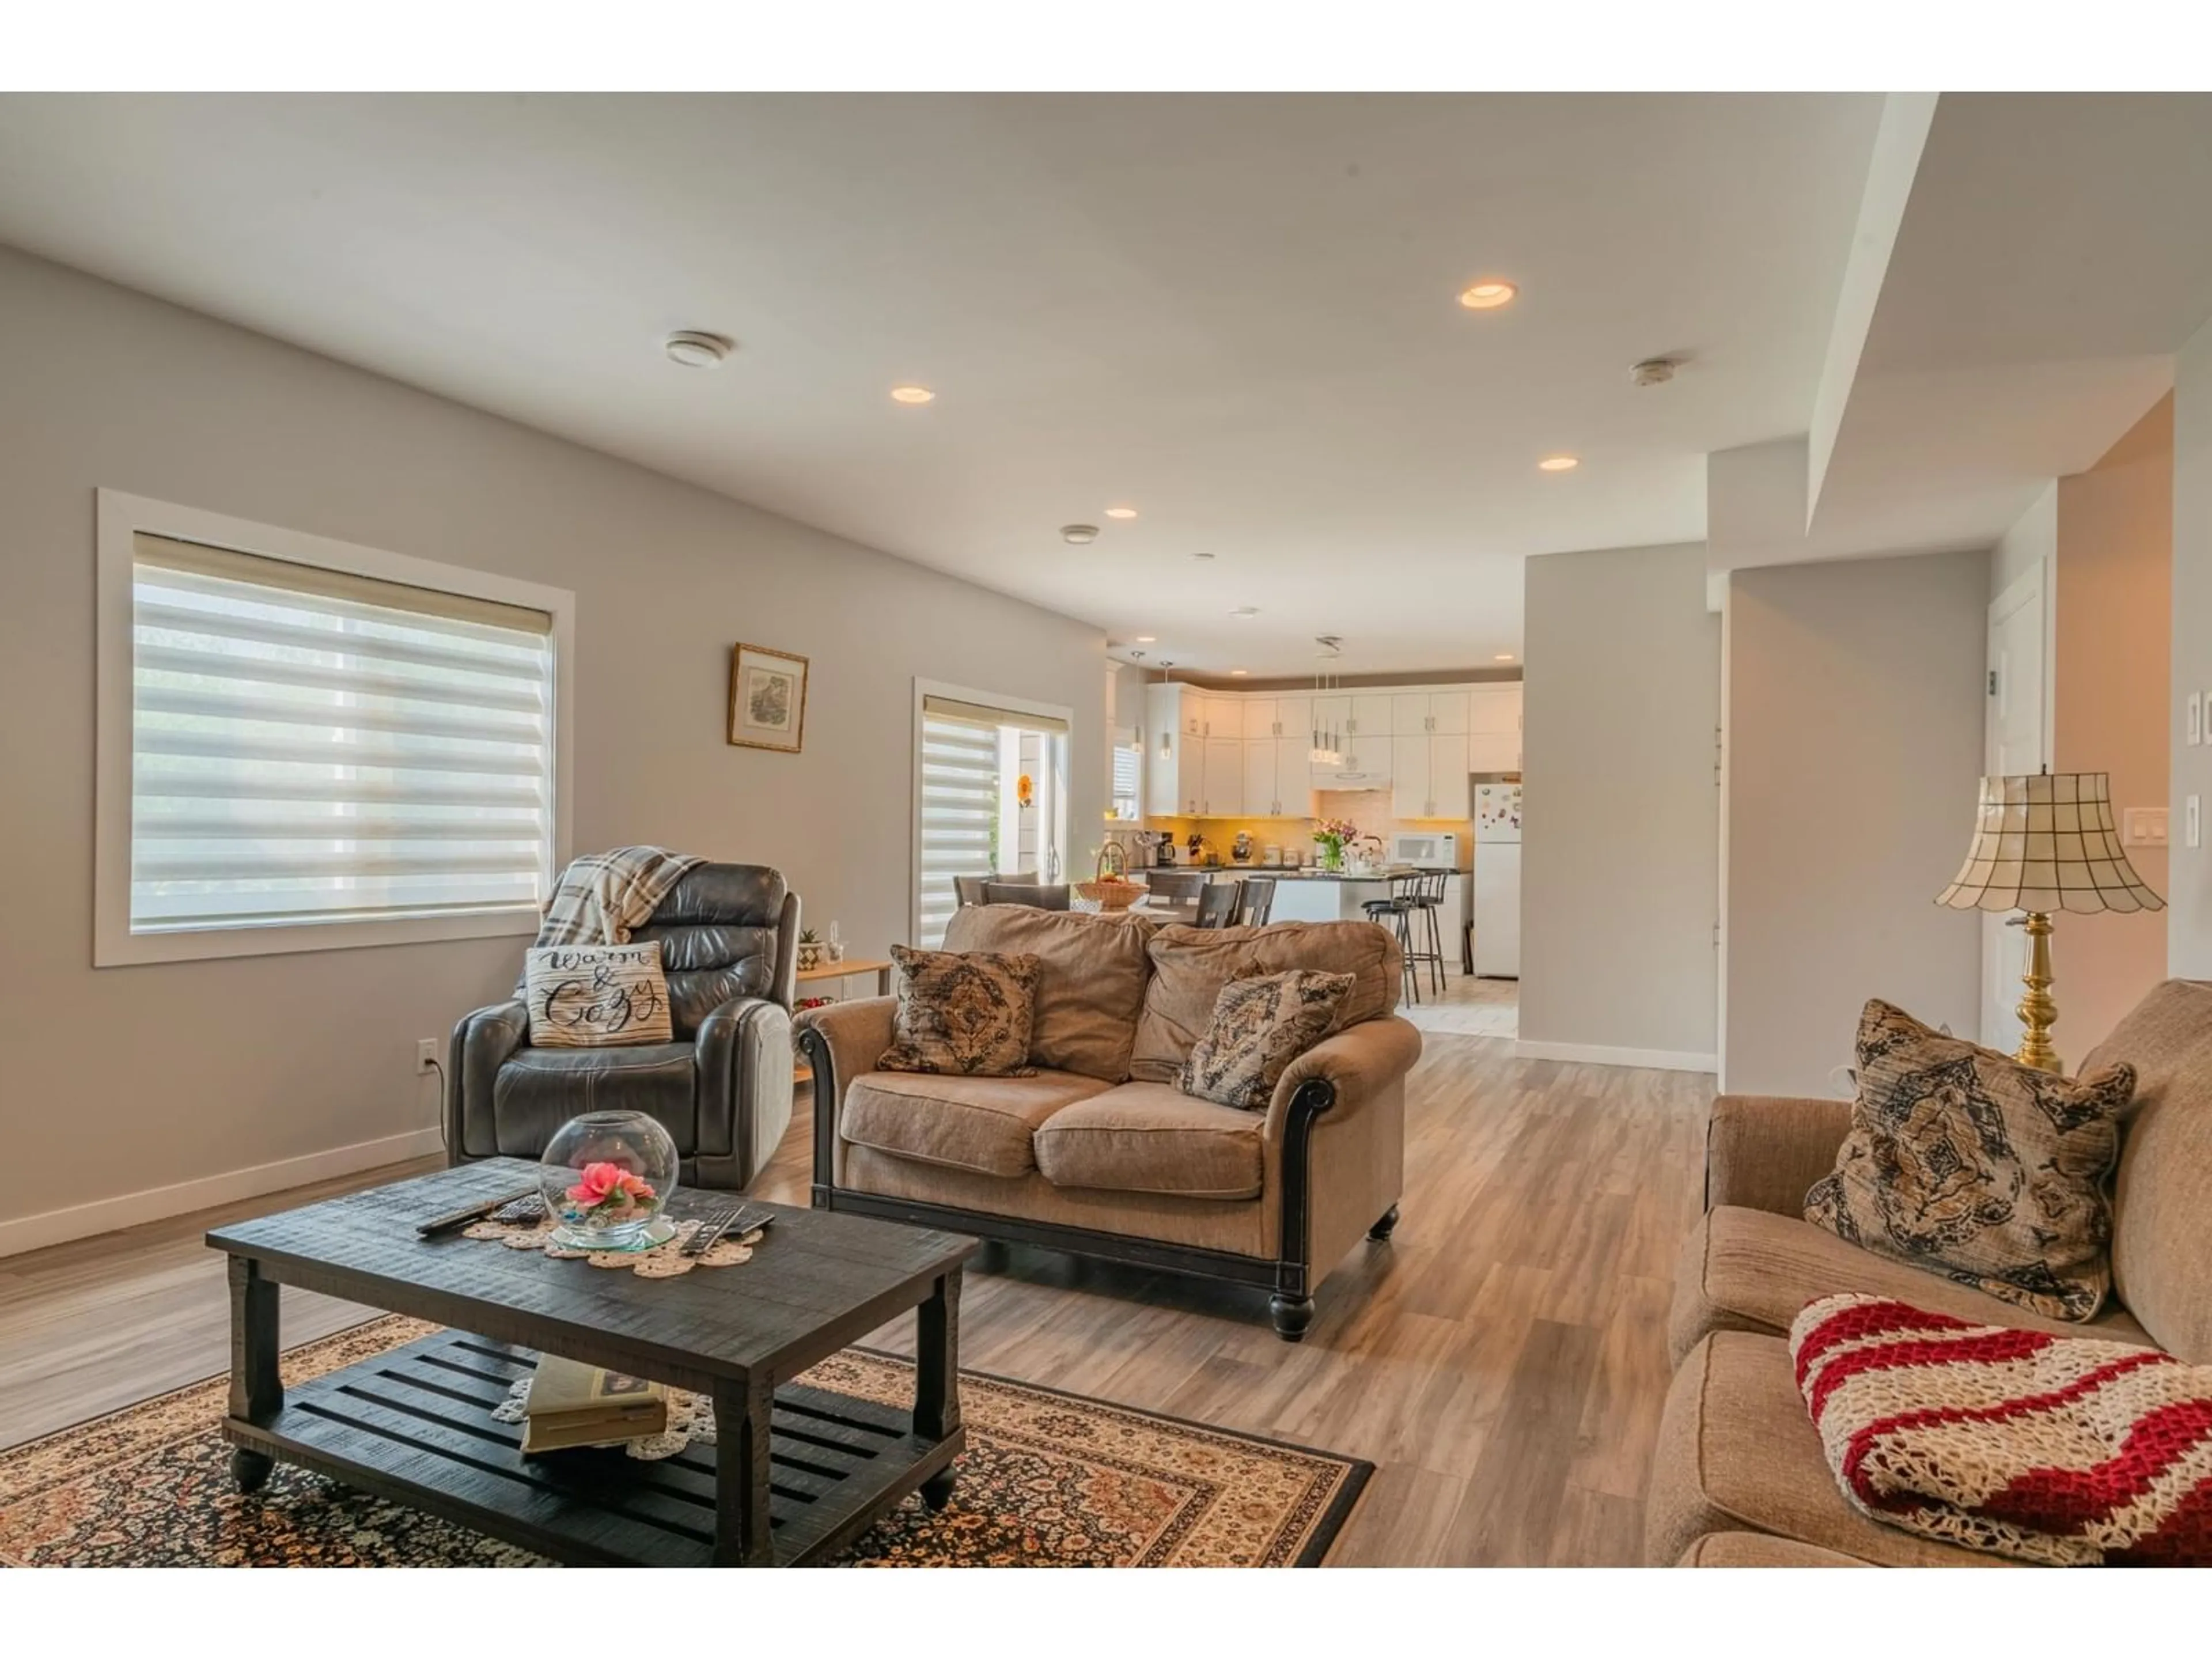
(426, 1055)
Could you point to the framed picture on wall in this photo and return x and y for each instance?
(768, 698)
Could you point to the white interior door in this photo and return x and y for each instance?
(2018, 740)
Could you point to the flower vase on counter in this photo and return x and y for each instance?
(1330, 835)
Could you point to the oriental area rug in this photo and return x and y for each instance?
(1048, 1479)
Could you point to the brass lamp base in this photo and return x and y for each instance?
(2037, 1013)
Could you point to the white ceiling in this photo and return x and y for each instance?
(1235, 313)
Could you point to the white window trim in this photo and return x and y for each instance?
(926, 688)
(120, 518)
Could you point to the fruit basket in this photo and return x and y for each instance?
(1112, 894)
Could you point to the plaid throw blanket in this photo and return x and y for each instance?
(601, 896)
(2056, 1449)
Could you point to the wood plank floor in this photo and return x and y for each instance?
(1502, 1360)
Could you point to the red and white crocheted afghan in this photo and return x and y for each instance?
(2056, 1449)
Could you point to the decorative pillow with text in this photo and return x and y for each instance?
(596, 996)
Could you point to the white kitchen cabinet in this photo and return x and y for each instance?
(1420, 714)
(1494, 709)
(1222, 795)
(1174, 782)
(1493, 752)
(1259, 777)
(1294, 719)
(1370, 715)
(1428, 776)
(1409, 775)
(1294, 783)
(1256, 719)
(1448, 713)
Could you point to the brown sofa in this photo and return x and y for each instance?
(1099, 1153)
(1738, 1478)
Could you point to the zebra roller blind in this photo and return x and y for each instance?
(311, 746)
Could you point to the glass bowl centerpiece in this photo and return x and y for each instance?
(606, 1178)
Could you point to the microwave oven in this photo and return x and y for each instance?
(1433, 848)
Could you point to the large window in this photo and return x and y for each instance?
(314, 755)
(972, 815)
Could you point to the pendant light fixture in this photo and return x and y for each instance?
(1167, 747)
(1328, 741)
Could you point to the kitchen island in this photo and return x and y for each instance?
(1308, 894)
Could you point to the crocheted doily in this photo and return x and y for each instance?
(691, 1417)
(665, 1260)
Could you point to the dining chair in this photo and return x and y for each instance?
(1255, 898)
(1177, 889)
(1036, 897)
(1217, 904)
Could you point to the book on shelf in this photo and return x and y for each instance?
(572, 1404)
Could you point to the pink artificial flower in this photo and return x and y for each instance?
(602, 1182)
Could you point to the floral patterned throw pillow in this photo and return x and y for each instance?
(1259, 1027)
(964, 1013)
(1969, 1164)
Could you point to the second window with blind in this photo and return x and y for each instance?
(990, 796)
(306, 744)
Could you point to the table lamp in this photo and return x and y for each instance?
(2046, 842)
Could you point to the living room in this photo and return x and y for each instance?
(705, 517)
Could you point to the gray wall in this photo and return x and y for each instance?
(125, 1079)
(1854, 748)
(1620, 812)
(2188, 920)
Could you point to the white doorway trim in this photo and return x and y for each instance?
(2017, 737)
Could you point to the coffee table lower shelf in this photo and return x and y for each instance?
(415, 1424)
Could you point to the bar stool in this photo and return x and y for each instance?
(1396, 913)
(1427, 900)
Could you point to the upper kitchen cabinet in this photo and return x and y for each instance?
(1494, 709)
(1221, 790)
(1369, 716)
(1294, 719)
(1419, 713)
(1428, 775)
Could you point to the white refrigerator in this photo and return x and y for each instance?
(1497, 880)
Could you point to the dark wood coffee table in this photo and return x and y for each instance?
(796, 1473)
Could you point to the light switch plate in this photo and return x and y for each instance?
(2191, 827)
(2143, 826)
(2196, 733)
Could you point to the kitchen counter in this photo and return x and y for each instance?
(1283, 873)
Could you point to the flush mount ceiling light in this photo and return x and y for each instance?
(1120, 512)
(1078, 535)
(1502, 656)
(1487, 295)
(1558, 463)
(1245, 612)
(695, 349)
(1148, 639)
(1239, 673)
(912, 394)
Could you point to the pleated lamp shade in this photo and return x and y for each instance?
(2048, 842)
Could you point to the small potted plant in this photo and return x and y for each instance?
(809, 950)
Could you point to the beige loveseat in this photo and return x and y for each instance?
(1099, 1153)
(1738, 1479)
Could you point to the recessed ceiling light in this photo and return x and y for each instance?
(1245, 612)
(1504, 656)
(1148, 639)
(1487, 295)
(1120, 512)
(696, 349)
(1558, 463)
(912, 394)
(1239, 673)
